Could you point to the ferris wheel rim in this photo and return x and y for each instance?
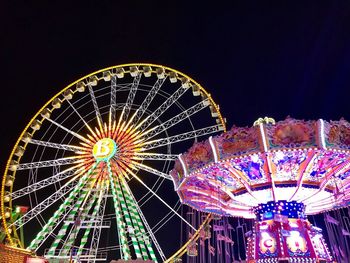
(61, 92)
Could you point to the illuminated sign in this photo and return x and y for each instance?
(296, 242)
(104, 149)
(267, 243)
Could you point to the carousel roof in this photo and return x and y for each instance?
(292, 160)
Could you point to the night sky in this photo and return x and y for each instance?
(257, 59)
(272, 59)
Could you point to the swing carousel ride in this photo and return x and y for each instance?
(277, 174)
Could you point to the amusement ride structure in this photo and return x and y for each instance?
(94, 163)
(277, 174)
(90, 180)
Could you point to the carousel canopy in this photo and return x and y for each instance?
(291, 160)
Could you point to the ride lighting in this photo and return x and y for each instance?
(45, 113)
(13, 165)
(119, 72)
(107, 75)
(9, 180)
(134, 71)
(56, 103)
(147, 71)
(93, 80)
(160, 73)
(80, 86)
(35, 125)
(172, 77)
(7, 212)
(19, 151)
(7, 197)
(68, 94)
(26, 137)
(21, 209)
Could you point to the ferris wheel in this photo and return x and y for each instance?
(89, 173)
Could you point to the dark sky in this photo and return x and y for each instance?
(256, 58)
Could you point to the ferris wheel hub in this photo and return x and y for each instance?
(104, 149)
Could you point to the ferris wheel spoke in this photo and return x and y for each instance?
(155, 156)
(125, 167)
(122, 235)
(113, 104)
(46, 182)
(140, 236)
(70, 221)
(128, 203)
(83, 120)
(149, 98)
(51, 228)
(61, 212)
(151, 170)
(94, 102)
(69, 131)
(49, 163)
(176, 119)
(166, 104)
(99, 217)
(138, 215)
(160, 199)
(131, 96)
(166, 218)
(91, 200)
(181, 137)
(38, 209)
(66, 147)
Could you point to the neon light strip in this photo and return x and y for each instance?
(69, 243)
(143, 221)
(213, 148)
(87, 231)
(125, 250)
(41, 236)
(183, 165)
(323, 140)
(130, 221)
(127, 216)
(61, 234)
(273, 189)
(262, 132)
(303, 173)
(138, 227)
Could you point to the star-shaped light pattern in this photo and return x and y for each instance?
(118, 143)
